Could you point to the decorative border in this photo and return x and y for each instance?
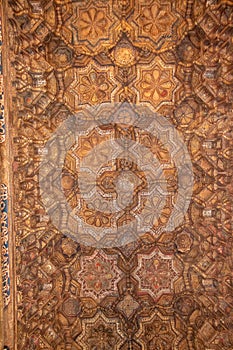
(7, 312)
(5, 245)
(5, 269)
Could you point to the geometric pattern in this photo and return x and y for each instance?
(156, 84)
(156, 273)
(98, 275)
(168, 290)
(90, 84)
(156, 332)
(101, 331)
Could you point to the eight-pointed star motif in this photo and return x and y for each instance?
(93, 24)
(156, 20)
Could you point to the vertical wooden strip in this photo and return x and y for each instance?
(8, 316)
(2, 139)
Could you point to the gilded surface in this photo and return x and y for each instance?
(167, 290)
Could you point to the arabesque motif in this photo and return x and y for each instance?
(169, 290)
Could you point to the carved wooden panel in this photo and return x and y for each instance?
(166, 289)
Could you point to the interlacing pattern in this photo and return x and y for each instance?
(169, 290)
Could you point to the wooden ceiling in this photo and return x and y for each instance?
(167, 289)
